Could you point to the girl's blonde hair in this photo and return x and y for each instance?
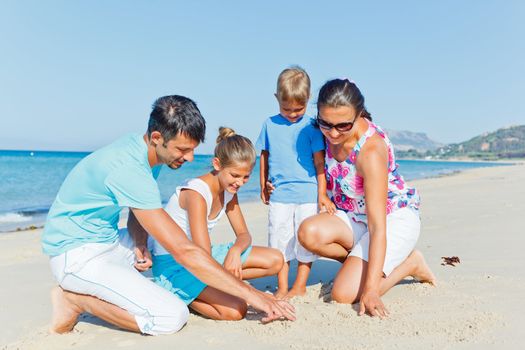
(233, 149)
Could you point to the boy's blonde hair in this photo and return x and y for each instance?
(232, 149)
(293, 84)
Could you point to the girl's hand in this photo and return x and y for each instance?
(371, 303)
(233, 264)
(325, 204)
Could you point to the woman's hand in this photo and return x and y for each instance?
(232, 263)
(325, 204)
(371, 303)
(143, 258)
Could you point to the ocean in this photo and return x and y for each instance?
(31, 180)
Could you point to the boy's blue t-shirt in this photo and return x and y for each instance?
(291, 164)
(88, 204)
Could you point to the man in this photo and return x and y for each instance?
(96, 265)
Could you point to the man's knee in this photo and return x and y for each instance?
(171, 320)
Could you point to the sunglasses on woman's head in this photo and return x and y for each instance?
(341, 127)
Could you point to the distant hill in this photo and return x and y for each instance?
(507, 142)
(409, 140)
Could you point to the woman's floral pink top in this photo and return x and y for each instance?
(345, 187)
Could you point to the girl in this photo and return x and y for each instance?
(197, 206)
(377, 220)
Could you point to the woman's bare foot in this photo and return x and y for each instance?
(296, 292)
(65, 313)
(421, 271)
(280, 293)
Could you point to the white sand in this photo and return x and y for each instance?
(477, 215)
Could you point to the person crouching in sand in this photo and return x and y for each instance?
(197, 206)
(376, 227)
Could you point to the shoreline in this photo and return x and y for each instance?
(40, 221)
(476, 305)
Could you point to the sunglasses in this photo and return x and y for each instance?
(341, 127)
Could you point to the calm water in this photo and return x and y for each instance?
(30, 181)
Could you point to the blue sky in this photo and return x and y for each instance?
(76, 75)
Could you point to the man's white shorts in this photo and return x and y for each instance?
(283, 222)
(106, 271)
(402, 231)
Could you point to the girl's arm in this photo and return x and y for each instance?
(195, 206)
(372, 164)
(322, 198)
(232, 262)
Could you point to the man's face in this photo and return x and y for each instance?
(176, 151)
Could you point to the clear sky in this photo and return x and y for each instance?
(75, 75)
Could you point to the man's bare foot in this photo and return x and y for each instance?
(422, 272)
(280, 293)
(296, 292)
(65, 314)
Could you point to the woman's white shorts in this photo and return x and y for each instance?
(402, 231)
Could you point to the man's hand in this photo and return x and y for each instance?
(232, 263)
(274, 309)
(143, 258)
(371, 303)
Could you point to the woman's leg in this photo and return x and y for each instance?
(326, 235)
(218, 305)
(349, 282)
(262, 262)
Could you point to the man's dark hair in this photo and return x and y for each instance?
(176, 114)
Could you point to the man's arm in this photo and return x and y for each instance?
(161, 226)
(140, 237)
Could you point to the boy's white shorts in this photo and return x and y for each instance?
(106, 271)
(402, 231)
(283, 222)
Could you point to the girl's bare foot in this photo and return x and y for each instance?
(280, 293)
(296, 292)
(421, 271)
(65, 313)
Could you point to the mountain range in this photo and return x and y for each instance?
(508, 142)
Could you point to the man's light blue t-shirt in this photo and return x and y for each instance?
(88, 204)
(291, 164)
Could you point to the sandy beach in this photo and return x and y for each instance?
(477, 215)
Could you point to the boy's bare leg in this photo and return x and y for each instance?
(282, 281)
(67, 306)
(299, 286)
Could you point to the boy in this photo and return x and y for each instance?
(292, 175)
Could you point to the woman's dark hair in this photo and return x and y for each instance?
(176, 114)
(342, 92)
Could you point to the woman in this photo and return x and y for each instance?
(377, 220)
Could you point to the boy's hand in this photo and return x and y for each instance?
(266, 192)
(325, 204)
